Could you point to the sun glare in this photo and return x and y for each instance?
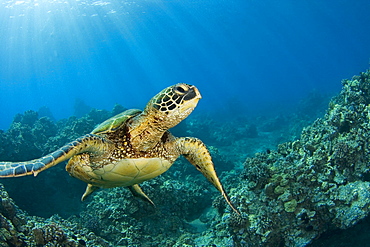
(39, 36)
(21, 7)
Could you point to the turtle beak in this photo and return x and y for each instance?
(190, 101)
(192, 94)
(198, 95)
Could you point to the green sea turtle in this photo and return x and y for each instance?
(131, 147)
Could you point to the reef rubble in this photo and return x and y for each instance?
(288, 196)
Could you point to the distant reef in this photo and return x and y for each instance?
(288, 196)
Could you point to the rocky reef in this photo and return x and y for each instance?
(17, 228)
(315, 182)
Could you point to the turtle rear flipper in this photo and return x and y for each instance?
(198, 155)
(89, 143)
(138, 192)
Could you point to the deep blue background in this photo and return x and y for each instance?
(242, 54)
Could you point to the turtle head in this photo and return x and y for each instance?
(173, 104)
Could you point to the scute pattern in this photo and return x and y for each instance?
(113, 123)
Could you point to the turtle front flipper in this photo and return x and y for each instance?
(198, 155)
(89, 143)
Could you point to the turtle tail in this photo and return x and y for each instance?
(88, 143)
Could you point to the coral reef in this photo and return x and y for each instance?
(317, 183)
(19, 229)
(310, 185)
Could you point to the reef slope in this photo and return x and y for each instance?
(317, 183)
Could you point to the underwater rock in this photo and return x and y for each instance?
(314, 184)
(45, 111)
(28, 118)
(117, 108)
(19, 229)
(80, 108)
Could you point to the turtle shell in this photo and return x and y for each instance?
(113, 123)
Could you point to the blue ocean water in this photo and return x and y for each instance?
(252, 52)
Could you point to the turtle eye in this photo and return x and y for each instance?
(181, 89)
